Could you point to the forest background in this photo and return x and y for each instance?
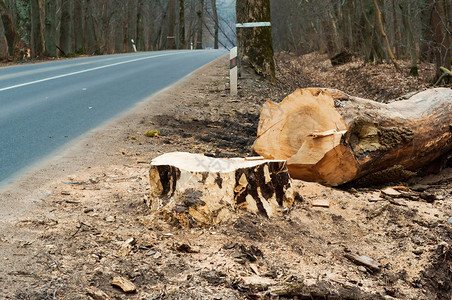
(373, 30)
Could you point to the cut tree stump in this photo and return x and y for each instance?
(195, 190)
(330, 137)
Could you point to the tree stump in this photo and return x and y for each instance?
(332, 138)
(190, 190)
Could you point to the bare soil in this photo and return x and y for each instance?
(67, 225)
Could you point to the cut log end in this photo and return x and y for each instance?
(332, 138)
(194, 190)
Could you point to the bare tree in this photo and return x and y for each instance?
(79, 45)
(37, 41)
(50, 27)
(66, 27)
(441, 35)
(171, 24)
(181, 24)
(216, 23)
(8, 27)
(200, 14)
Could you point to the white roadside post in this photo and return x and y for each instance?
(133, 45)
(233, 71)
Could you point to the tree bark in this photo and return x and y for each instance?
(194, 190)
(91, 38)
(255, 45)
(216, 23)
(171, 25)
(385, 37)
(182, 24)
(8, 27)
(396, 31)
(51, 27)
(3, 43)
(132, 23)
(66, 26)
(411, 43)
(200, 14)
(37, 42)
(441, 37)
(79, 43)
(332, 138)
(141, 45)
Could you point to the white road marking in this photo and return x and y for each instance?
(85, 71)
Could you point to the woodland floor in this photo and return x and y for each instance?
(70, 242)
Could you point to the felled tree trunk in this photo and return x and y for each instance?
(332, 138)
(195, 190)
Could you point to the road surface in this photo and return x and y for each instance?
(44, 106)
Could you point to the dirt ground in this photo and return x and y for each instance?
(78, 220)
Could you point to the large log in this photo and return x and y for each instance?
(195, 190)
(333, 138)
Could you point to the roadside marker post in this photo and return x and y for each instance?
(233, 70)
(133, 45)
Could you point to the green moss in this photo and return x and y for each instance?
(152, 133)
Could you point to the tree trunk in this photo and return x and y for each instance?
(396, 31)
(216, 23)
(441, 37)
(3, 43)
(385, 37)
(141, 45)
(196, 190)
(182, 24)
(79, 43)
(8, 27)
(51, 28)
(200, 14)
(332, 138)
(132, 23)
(411, 43)
(171, 24)
(37, 42)
(66, 27)
(254, 44)
(91, 39)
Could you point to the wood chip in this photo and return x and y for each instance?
(257, 281)
(188, 248)
(254, 268)
(401, 188)
(391, 192)
(364, 261)
(320, 203)
(124, 284)
(375, 197)
(318, 134)
(96, 293)
(254, 158)
(126, 247)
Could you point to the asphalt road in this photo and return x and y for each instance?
(44, 106)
